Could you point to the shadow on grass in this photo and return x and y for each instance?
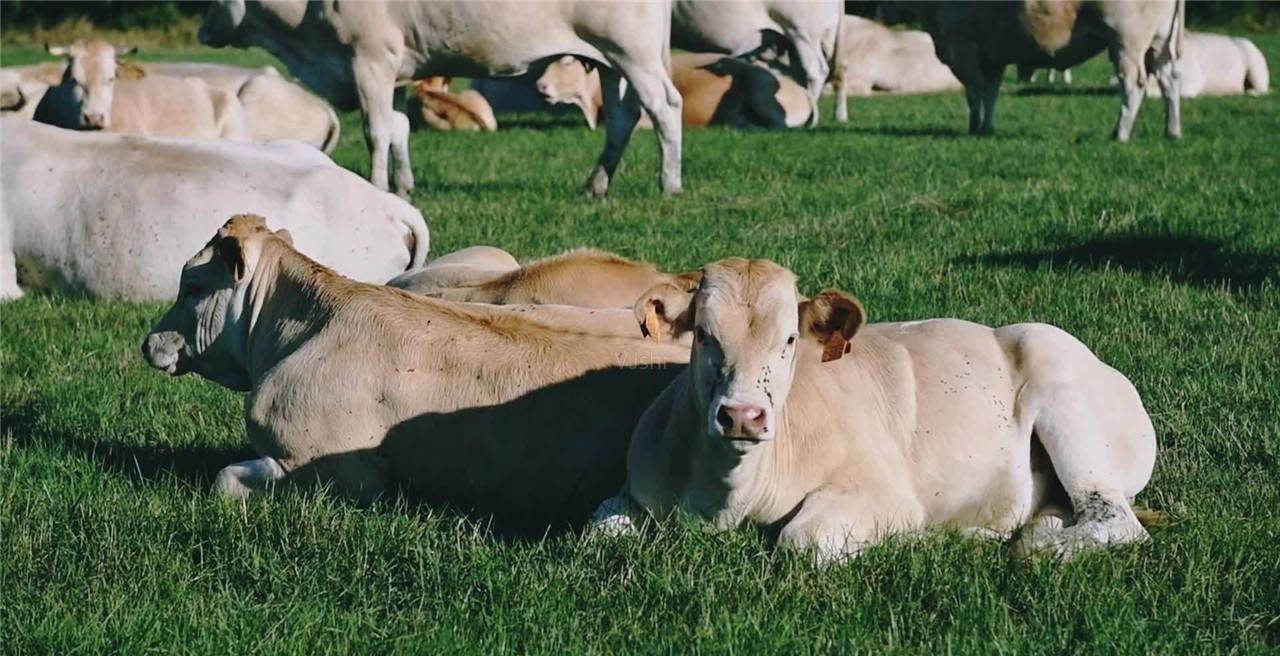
(191, 465)
(891, 131)
(1065, 91)
(1188, 260)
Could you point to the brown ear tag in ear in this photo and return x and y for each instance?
(835, 347)
(653, 326)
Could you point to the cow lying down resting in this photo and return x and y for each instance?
(796, 413)
(582, 277)
(368, 388)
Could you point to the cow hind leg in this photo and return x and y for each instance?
(657, 94)
(400, 154)
(375, 85)
(1101, 449)
(1132, 77)
(1170, 81)
(240, 480)
(992, 76)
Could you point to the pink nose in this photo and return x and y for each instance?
(741, 420)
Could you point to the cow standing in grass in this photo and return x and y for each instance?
(979, 39)
(354, 53)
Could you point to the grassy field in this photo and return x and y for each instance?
(1164, 257)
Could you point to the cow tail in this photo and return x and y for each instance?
(418, 240)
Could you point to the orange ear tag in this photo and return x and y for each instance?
(835, 348)
(653, 326)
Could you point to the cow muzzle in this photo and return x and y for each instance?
(163, 350)
(743, 421)
(93, 120)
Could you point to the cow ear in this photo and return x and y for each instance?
(231, 252)
(666, 311)
(285, 236)
(831, 318)
(57, 51)
(127, 70)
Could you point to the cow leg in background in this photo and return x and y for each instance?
(963, 60)
(375, 84)
(842, 97)
(620, 117)
(992, 77)
(400, 144)
(1132, 76)
(814, 64)
(244, 478)
(658, 95)
(1164, 66)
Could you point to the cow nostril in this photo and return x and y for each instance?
(723, 418)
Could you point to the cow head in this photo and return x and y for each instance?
(569, 81)
(90, 78)
(749, 322)
(206, 331)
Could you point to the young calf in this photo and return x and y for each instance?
(512, 412)
(796, 413)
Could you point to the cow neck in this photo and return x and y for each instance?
(758, 482)
(287, 301)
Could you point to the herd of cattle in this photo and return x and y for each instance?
(585, 385)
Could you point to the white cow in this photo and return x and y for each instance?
(810, 31)
(1219, 65)
(90, 97)
(978, 40)
(117, 215)
(795, 413)
(873, 56)
(353, 54)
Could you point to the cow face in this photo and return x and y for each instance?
(568, 81)
(222, 20)
(749, 322)
(206, 330)
(90, 79)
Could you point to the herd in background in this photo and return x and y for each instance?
(565, 375)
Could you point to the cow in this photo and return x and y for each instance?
(370, 389)
(717, 90)
(1027, 75)
(874, 57)
(271, 107)
(90, 97)
(107, 212)
(354, 53)
(22, 87)
(978, 40)
(446, 110)
(1219, 65)
(468, 266)
(581, 277)
(797, 414)
(807, 32)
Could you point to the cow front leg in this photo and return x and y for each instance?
(617, 515)
(375, 85)
(992, 77)
(400, 154)
(240, 480)
(620, 117)
(815, 66)
(836, 526)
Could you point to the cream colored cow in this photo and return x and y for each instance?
(874, 57)
(796, 413)
(368, 387)
(1219, 65)
(717, 90)
(583, 277)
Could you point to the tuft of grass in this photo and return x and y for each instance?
(1161, 256)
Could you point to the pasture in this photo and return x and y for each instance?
(1163, 256)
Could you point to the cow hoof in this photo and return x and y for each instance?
(670, 190)
(1174, 135)
(613, 525)
(598, 184)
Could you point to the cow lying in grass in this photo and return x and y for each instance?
(366, 387)
(796, 413)
(581, 277)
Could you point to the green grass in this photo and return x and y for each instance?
(1164, 257)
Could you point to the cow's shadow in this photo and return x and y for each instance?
(1189, 260)
(892, 131)
(1065, 91)
(189, 465)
